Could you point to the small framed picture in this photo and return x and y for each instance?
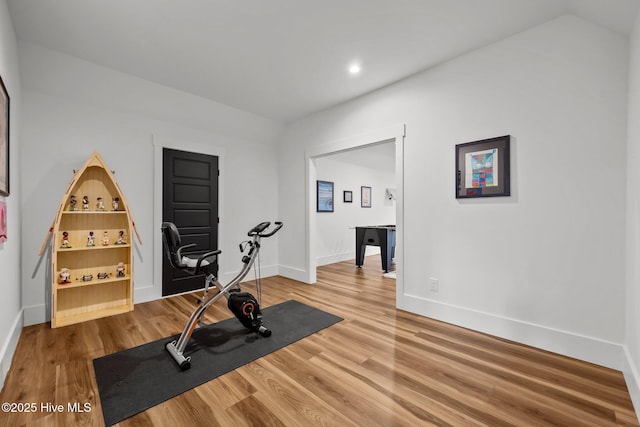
(324, 196)
(365, 197)
(347, 196)
(482, 168)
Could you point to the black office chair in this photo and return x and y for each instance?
(174, 248)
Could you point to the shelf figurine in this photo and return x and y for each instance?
(65, 240)
(120, 269)
(103, 275)
(105, 238)
(100, 204)
(73, 202)
(64, 276)
(91, 240)
(115, 202)
(85, 203)
(121, 240)
(87, 278)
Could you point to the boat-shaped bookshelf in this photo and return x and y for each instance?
(92, 257)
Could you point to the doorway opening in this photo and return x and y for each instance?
(348, 148)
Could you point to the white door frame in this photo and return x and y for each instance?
(154, 291)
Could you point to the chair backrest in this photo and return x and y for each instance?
(171, 241)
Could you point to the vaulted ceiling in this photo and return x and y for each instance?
(284, 59)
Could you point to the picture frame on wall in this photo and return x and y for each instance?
(365, 197)
(483, 168)
(324, 196)
(347, 196)
(4, 139)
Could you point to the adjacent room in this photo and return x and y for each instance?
(362, 184)
(408, 212)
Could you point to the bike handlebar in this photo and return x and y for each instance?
(260, 228)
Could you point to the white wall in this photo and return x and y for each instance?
(632, 308)
(335, 235)
(544, 266)
(73, 107)
(10, 306)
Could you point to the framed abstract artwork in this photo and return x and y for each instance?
(483, 168)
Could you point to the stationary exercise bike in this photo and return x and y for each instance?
(242, 304)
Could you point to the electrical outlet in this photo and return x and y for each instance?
(434, 284)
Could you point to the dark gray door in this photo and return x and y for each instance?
(190, 201)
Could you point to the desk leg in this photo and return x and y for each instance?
(360, 247)
(360, 251)
(384, 249)
(385, 255)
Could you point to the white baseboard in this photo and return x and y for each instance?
(581, 347)
(293, 273)
(345, 256)
(145, 294)
(332, 259)
(265, 271)
(35, 314)
(9, 346)
(632, 379)
(151, 292)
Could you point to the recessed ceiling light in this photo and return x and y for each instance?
(354, 69)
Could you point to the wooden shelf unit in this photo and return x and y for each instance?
(82, 299)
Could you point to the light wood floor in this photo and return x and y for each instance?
(378, 367)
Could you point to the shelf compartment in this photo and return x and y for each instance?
(93, 261)
(91, 302)
(95, 181)
(79, 225)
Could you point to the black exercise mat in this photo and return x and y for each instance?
(134, 380)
